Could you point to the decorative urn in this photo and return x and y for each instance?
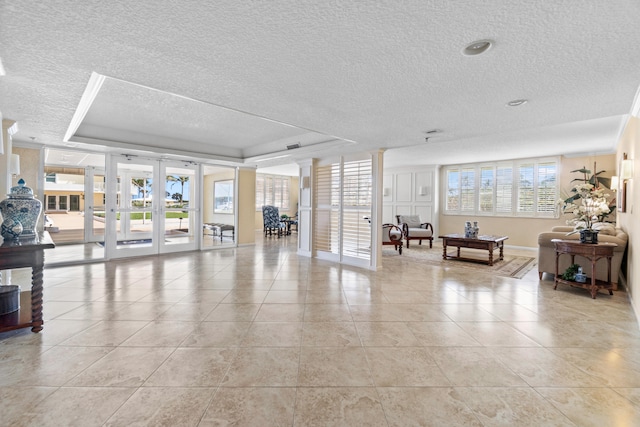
(23, 208)
(11, 229)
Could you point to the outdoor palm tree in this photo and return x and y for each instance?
(143, 185)
(182, 180)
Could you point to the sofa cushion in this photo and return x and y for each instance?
(419, 232)
(412, 221)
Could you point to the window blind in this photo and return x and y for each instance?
(356, 206)
(526, 188)
(273, 190)
(547, 195)
(486, 194)
(517, 188)
(327, 186)
(343, 195)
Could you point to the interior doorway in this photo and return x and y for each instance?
(74, 188)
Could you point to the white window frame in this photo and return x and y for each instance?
(269, 191)
(519, 207)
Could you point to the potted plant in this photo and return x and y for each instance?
(588, 203)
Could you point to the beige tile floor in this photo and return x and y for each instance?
(259, 336)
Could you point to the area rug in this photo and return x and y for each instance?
(511, 266)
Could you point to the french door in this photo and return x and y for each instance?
(155, 208)
(94, 204)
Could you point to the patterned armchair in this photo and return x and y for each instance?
(271, 221)
(414, 229)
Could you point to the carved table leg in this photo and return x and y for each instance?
(609, 275)
(444, 249)
(594, 287)
(501, 250)
(36, 298)
(491, 255)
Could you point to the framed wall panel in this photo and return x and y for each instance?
(403, 187)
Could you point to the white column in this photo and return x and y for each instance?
(377, 159)
(305, 207)
(9, 128)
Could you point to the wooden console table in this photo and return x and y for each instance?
(20, 254)
(593, 252)
(487, 243)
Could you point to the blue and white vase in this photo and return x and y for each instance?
(11, 229)
(22, 207)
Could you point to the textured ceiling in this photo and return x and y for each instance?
(378, 73)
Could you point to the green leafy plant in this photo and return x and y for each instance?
(570, 273)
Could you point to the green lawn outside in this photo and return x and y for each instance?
(148, 215)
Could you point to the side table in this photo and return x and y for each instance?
(19, 254)
(593, 252)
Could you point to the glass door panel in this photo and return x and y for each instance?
(94, 204)
(180, 207)
(135, 209)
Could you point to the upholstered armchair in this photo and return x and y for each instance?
(392, 235)
(414, 229)
(271, 221)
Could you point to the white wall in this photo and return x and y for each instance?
(628, 220)
(411, 191)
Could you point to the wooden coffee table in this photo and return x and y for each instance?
(487, 243)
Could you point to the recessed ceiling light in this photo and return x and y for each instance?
(516, 102)
(477, 47)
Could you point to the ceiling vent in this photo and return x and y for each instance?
(293, 146)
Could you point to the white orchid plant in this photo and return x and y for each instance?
(589, 202)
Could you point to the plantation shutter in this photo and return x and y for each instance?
(453, 190)
(259, 192)
(504, 189)
(286, 198)
(467, 190)
(524, 188)
(547, 189)
(356, 206)
(268, 190)
(281, 192)
(327, 193)
(526, 193)
(486, 195)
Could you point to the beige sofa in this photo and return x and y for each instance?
(547, 253)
